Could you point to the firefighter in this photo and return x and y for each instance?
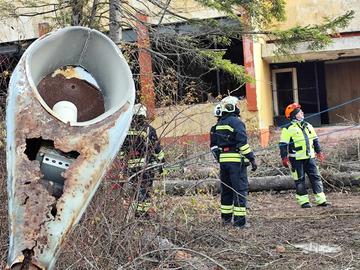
(143, 155)
(298, 146)
(234, 157)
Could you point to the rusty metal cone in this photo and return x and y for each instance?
(54, 167)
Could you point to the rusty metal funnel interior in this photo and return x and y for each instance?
(90, 50)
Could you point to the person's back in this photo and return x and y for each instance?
(231, 139)
(136, 143)
(142, 153)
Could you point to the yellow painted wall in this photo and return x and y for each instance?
(305, 12)
(185, 8)
(263, 88)
(197, 119)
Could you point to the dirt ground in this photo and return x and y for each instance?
(185, 233)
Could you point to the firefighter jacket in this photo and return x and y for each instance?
(141, 146)
(230, 137)
(299, 141)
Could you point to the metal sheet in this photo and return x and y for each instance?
(39, 222)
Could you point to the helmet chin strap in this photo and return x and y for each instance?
(297, 119)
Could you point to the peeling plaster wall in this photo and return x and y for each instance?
(263, 88)
(21, 29)
(185, 8)
(177, 121)
(27, 27)
(306, 12)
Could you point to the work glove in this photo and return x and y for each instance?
(216, 153)
(320, 156)
(285, 162)
(253, 165)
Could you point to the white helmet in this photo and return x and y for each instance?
(228, 104)
(140, 110)
(217, 110)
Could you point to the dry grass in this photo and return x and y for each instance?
(185, 232)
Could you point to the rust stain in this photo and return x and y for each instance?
(86, 97)
(35, 122)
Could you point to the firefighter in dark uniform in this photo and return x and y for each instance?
(143, 155)
(234, 156)
(298, 146)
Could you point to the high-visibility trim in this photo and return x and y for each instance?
(226, 209)
(230, 155)
(302, 140)
(320, 198)
(132, 132)
(136, 162)
(229, 159)
(160, 155)
(239, 211)
(224, 127)
(245, 149)
(214, 147)
(301, 199)
(143, 207)
(294, 174)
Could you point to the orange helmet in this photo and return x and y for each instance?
(290, 109)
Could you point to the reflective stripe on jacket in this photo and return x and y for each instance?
(230, 137)
(141, 146)
(299, 140)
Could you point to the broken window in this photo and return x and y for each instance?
(180, 78)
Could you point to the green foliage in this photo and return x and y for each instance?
(217, 61)
(317, 36)
(247, 17)
(261, 12)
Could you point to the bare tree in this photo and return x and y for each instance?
(115, 21)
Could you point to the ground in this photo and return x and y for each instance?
(186, 233)
(195, 239)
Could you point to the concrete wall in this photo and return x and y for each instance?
(264, 94)
(20, 29)
(27, 27)
(184, 8)
(194, 120)
(307, 12)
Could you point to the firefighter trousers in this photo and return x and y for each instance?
(234, 189)
(298, 170)
(143, 182)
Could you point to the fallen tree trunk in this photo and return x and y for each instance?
(212, 185)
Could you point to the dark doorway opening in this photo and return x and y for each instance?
(303, 83)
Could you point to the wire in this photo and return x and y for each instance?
(273, 146)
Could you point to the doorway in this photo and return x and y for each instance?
(297, 82)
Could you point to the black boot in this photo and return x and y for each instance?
(226, 222)
(324, 204)
(239, 222)
(306, 205)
